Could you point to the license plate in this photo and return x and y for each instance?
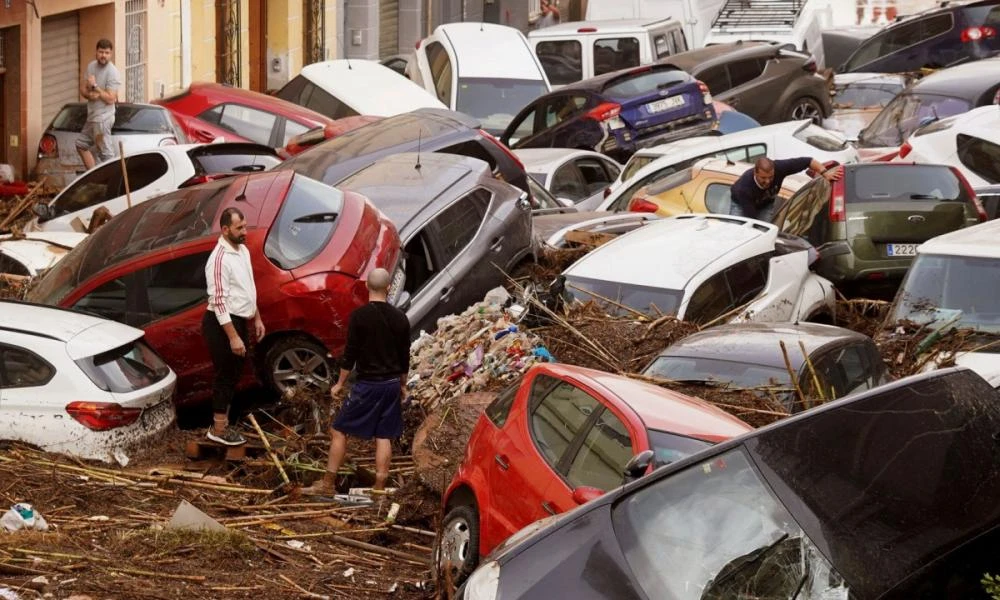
(901, 249)
(665, 104)
(154, 415)
(397, 283)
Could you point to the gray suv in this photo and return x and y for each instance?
(461, 228)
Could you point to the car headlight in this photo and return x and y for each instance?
(483, 583)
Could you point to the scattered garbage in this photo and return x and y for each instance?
(8, 594)
(187, 516)
(23, 516)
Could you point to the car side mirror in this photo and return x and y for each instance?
(523, 202)
(637, 465)
(403, 303)
(585, 494)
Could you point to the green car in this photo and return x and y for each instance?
(867, 226)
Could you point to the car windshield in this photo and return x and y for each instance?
(305, 223)
(624, 299)
(174, 218)
(736, 373)
(125, 369)
(643, 82)
(723, 535)
(951, 291)
(865, 94)
(905, 114)
(496, 101)
(886, 183)
(635, 163)
(670, 447)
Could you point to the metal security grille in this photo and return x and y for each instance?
(135, 53)
(315, 30)
(227, 42)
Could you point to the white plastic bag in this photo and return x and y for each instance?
(23, 516)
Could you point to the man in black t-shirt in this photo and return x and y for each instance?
(378, 347)
(754, 193)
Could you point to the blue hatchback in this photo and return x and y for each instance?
(617, 113)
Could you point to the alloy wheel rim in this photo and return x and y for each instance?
(297, 367)
(454, 548)
(805, 110)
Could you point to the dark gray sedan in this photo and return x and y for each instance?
(461, 228)
(748, 355)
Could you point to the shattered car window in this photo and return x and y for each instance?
(724, 536)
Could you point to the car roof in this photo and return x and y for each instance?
(39, 250)
(759, 343)
(601, 27)
(84, 334)
(660, 408)
(479, 44)
(972, 77)
(220, 93)
(546, 159)
(368, 87)
(978, 240)
(599, 83)
(401, 190)
(681, 246)
(690, 59)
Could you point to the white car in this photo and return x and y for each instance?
(577, 177)
(484, 70)
(954, 282)
(969, 141)
(36, 251)
(150, 174)
(350, 87)
(78, 384)
(704, 269)
(792, 139)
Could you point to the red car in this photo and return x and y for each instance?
(208, 111)
(311, 244)
(305, 141)
(555, 440)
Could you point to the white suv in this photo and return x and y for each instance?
(704, 268)
(79, 384)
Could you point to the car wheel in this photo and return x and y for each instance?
(806, 108)
(456, 551)
(298, 361)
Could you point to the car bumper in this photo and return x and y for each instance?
(626, 142)
(848, 268)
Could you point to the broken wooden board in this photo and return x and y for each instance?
(588, 238)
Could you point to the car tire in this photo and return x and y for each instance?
(805, 107)
(457, 545)
(298, 361)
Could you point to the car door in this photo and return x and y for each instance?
(745, 95)
(528, 452)
(469, 244)
(597, 175)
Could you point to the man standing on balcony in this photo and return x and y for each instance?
(99, 86)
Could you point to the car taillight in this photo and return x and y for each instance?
(607, 192)
(838, 209)
(197, 179)
(604, 111)
(706, 94)
(810, 66)
(417, 45)
(974, 34)
(504, 148)
(973, 198)
(642, 205)
(168, 141)
(905, 149)
(48, 146)
(102, 416)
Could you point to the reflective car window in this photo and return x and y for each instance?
(905, 114)
(441, 71)
(615, 54)
(710, 301)
(292, 129)
(305, 224)
(20, 368)
(12, 266)
(958, 291)
(125, 369)
(642, 82)
(95, 187)
(595, 177)
(499, 409)
(561, 60)
(253, 124)
(745, 71)
(624, 299)
(980, 156)
(566, 183)
(600, 462)
(457, 225)
(557, 419)
(718, 198)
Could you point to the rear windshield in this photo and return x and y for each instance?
(642, 83)
(125, 369)
(635, 163)
(821, 139)
(128, 119)
(905, 114)
(670, 447)
(739, 374)
(240, 161)
(618, 298)
(904, 182)
(305, 223)
(495, 101)
(865, 95)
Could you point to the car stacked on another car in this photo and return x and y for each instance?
(860, 97)
(80, 385)
(969, 142)
(577, 177)
(617, 113)
(311, 247)
(137, 126)
(31, 254)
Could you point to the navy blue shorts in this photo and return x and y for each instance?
(372, 409)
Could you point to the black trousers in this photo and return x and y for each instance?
(228, 366)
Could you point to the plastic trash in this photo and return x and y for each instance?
(503, 332)
(23, 516)
(8, 594)
(543, 353)
(497, 296)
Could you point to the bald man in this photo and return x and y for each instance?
(754, 192)
(378, 347)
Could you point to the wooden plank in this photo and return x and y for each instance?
(588, 238)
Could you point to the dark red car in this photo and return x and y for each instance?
(207, 111)
(305, 141)
(311, 244)
(561, 437)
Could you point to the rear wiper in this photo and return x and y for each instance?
(247, 168)
(322, 217)
(925, 197)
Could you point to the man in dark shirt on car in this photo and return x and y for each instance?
(378, 345)
(754, 193)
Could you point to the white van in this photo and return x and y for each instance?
(793, 22)
(695, 16)
(570, 52)
(484, 70)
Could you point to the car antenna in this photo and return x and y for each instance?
(242, 196)
(349, 67)
(417, 166)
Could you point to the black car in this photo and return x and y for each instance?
(947, 35)
(941, 94)
(616, 113)
(422, 130)
(766, 81)
(887, 494)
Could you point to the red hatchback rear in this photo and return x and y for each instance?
(311, 246)
(559, 438)
(208, 111)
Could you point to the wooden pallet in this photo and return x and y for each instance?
(205, 448)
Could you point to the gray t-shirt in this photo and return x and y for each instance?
(107, 79)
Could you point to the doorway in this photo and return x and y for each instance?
(258, 45)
